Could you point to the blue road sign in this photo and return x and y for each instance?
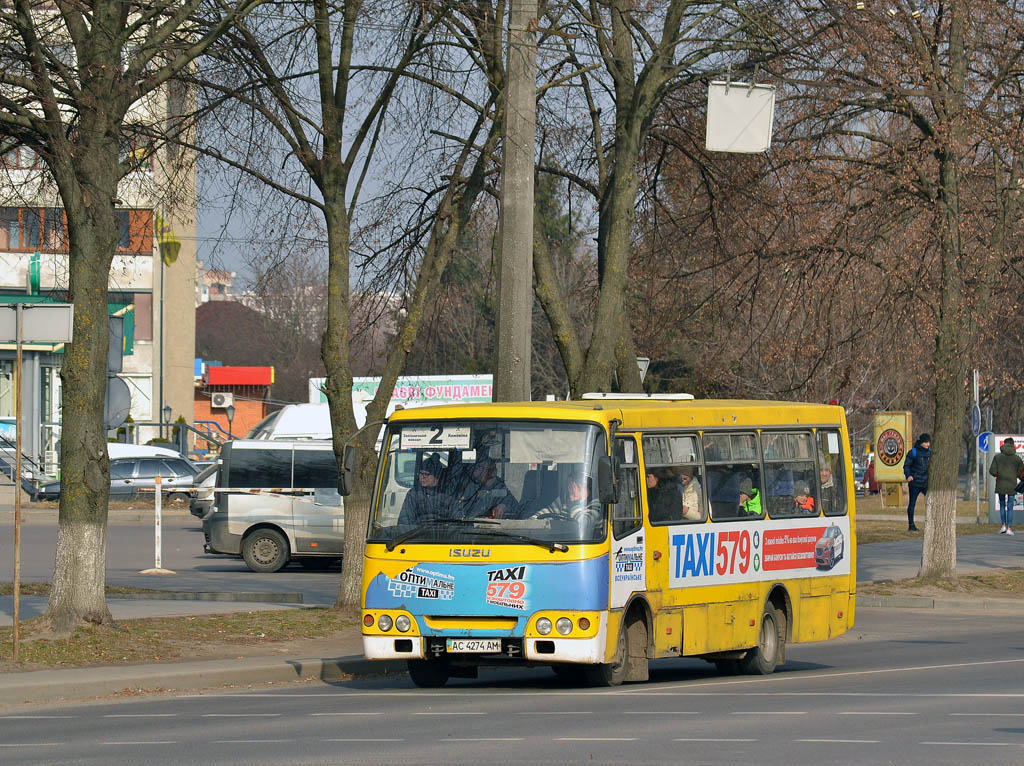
(975, 419)
(984, 441)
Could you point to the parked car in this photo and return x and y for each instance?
(200, 502)
(132, 477)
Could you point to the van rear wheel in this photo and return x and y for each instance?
(265, 550)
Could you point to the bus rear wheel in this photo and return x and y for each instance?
(428, 674)
(762, 659)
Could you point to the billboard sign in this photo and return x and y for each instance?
(892, 441)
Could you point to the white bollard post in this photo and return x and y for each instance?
(157, 543)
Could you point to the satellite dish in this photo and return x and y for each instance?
(117, 404)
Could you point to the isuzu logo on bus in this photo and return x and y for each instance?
(470, 553)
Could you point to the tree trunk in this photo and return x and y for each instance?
(79, 575)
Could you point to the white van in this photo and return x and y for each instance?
(277, 501)
(118, 450)
(294, 422)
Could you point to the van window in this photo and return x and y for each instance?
(260, 468)
(315, 469)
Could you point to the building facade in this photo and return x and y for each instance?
(154, 295)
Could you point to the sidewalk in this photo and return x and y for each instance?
(340, 656)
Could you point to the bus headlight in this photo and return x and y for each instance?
(564, 626)
(384, 623)
(403, 623)
(543, 626)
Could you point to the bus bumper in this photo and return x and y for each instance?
(393, 648)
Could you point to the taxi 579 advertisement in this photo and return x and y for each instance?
(712, 554)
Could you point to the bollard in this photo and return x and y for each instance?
(157, 542)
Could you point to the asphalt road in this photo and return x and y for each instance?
(903, 687)
(130, 549)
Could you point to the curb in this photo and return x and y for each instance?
(54, 686)
(945, 604)
(178, 595)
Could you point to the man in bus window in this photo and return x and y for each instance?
(802, 500)
(750, 498)
(426, 500)
(664, 496)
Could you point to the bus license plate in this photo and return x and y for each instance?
(474, 645)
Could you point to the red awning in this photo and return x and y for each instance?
(239, 376)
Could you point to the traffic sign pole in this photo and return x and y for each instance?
(976, 418)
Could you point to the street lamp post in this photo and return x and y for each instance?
(166, 412)
(230, 412)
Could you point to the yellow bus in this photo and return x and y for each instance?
(593, 536)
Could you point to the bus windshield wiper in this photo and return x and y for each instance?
(430, 523)
(551, 546)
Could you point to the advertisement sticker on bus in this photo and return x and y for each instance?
(464, 588)
(742, 552)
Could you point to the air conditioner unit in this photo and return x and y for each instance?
(222, 400)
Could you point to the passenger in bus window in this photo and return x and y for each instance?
(802, 501)
(691, 494)
(750, 498)
(426, 500)
(664, 496)
(827, 480)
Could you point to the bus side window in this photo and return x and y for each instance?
(831, 472)
(626, 512)
(790, 480)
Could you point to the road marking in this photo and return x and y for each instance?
(357, 739)
(769, 712)
(356, 713)
(989, 714)
(249, 741)
(712, 739)
(241, 715)
(596, 739)
(140, 715)
(661, 712)
(481, 739)
(149, 742)
(872, 712)
(32, 744)
(814, 676)
(34, 717)
(557, 712)
(976, 744)
(843, 741)
(454, 712)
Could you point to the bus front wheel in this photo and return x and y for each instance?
(612, 673)
(428, 674)
(762, 659)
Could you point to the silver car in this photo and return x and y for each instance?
(133, 477)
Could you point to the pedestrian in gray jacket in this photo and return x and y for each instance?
(1005, 467)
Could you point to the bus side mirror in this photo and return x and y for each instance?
(607, 488)
(348, 466)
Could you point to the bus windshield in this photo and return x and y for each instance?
(490, 482)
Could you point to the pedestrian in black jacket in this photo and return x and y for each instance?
(915, 468)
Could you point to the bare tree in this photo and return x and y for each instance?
(74, 81)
